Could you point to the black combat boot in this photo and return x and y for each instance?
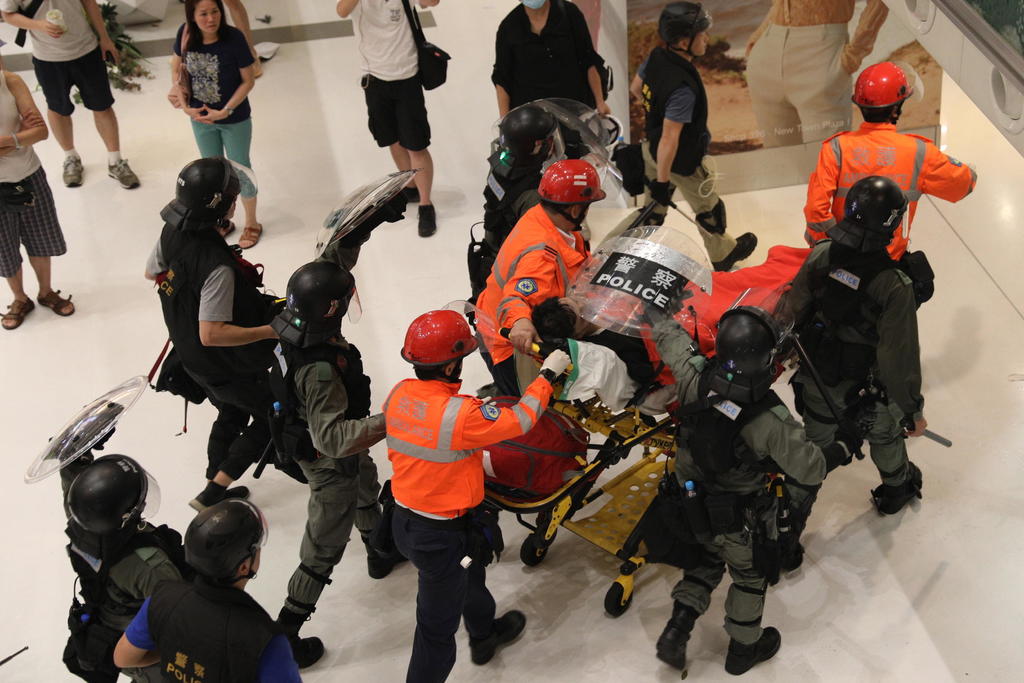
(742, 658)
(378, 564)
(507, 628)
(306, 651)
(890, 499)
(672, 643)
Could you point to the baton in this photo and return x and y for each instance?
(937, 438)
(806, 360)
(264, 460)
(671, 204)
(7, 659)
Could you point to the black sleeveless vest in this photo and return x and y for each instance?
(667, 72)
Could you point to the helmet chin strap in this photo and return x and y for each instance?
(577, 221)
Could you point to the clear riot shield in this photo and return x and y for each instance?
(360, 204)
(582, 140)
(85, 429)
(607, 129)
(642, 273)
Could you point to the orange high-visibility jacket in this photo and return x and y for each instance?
(913, 162)
(435, 438)
(535, 263)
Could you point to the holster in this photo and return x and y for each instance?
(92, 642)
(765, 537)
(725, 512)
(915, 265)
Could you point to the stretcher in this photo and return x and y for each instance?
(613, 527)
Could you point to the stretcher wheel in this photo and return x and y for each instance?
(616, 602)
(532, 552)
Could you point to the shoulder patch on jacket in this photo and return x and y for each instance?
(526, 286)
(490, 411)
(954, 161)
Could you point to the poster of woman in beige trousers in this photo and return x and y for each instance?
(800, 66)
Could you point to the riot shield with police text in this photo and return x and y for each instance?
(639, 276)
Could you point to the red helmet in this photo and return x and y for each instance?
(881, 85)
(572, 181)
(438, 337)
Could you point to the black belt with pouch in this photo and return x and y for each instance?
(15, 196)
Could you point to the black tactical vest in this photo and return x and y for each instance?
(92, 642)
(191, 257)
(207, 633)
(499, 197)
(712, 431)
(666, 72)
(289, 427)
(839, 287)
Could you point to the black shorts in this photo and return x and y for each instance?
(88, 73)
(397, 113)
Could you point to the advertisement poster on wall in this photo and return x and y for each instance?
(780, 73)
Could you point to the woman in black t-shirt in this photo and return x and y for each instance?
(220, 76)
(543, 49)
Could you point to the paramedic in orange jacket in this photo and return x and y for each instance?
(537, 261)
(916, 164)
(435, 438)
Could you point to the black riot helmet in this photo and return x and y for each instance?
(111, 494)
(744, 354)
(222, 537)
(874, 210)
(204, 192)
(526, 137)
(682, 20)
(318, 297)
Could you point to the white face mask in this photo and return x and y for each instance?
(534, 4)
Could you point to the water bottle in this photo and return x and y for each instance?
(784, 527)
(277, 409)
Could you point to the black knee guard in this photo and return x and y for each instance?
(714, 220)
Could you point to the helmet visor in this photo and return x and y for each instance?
(355, 307)
(583, 135)
(247, 186)
(149, 504)
(85, 429)
(914, 80)
(770, 305)
(483, 326)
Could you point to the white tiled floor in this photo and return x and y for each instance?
(929, 595)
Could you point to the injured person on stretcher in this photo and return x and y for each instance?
(621, 371)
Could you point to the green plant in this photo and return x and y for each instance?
(123, 76)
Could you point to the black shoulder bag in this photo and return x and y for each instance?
(29, 12)
(433, 61)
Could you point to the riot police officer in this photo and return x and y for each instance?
(118, 558)
(672, 93)
(733, 430)
(526, 140)
(211, 629)
(857, 319)
(217, 319)
(322, 421)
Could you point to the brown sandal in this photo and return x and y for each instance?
(58, 304)
(251, 235)
(16, 313)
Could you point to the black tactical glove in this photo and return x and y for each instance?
(662, 192)
(841, 451)
(392, 212)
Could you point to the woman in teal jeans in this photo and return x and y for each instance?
(220, 75)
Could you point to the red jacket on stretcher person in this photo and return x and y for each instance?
(912, 161)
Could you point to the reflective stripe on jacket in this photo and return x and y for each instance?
(435, 436)
(912, 161)
(535, 263)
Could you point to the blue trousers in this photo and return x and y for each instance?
(447, 593)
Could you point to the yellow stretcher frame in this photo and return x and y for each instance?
(611, 528)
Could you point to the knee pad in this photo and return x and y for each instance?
(714, 220)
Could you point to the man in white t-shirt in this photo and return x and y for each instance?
(394, 96)
(66, 53)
